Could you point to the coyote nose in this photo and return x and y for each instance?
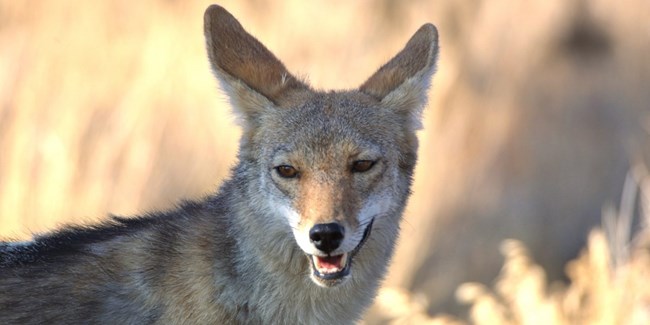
(326, 236)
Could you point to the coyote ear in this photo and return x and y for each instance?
(249, 73)
(403, 82)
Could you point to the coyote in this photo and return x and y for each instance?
(301, 233)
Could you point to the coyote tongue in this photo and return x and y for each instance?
(330, 264)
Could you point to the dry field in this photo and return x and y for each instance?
(531, 196)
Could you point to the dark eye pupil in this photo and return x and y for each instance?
(361, 166)
(286, 171)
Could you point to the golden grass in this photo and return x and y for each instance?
(94, 96)
(608, 281)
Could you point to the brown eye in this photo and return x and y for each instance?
(361, 166)
(286, 171)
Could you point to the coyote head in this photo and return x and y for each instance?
(331, 165)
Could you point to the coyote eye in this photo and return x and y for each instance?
(286, 171)
(362, 166)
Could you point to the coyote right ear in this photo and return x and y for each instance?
(403, 82)
(248, 72)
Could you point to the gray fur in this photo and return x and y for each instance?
(233, 257)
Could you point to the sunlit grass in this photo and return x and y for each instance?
(608, 281)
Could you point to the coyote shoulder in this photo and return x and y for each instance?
(301, 232)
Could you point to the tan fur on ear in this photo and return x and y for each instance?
(243, 65)
(403, 82)
(420, 52)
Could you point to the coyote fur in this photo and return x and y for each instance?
(302, 232)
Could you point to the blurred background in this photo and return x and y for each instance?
(537, 133)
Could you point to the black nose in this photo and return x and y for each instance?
(326, 236)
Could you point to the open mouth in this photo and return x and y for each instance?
(333, 268)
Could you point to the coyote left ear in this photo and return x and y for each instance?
(403, 82)
(249, 73)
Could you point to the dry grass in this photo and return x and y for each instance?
(608, 281)
(537, 111)
(94, 95)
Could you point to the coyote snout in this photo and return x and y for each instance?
(327, 237)
(332, 268)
